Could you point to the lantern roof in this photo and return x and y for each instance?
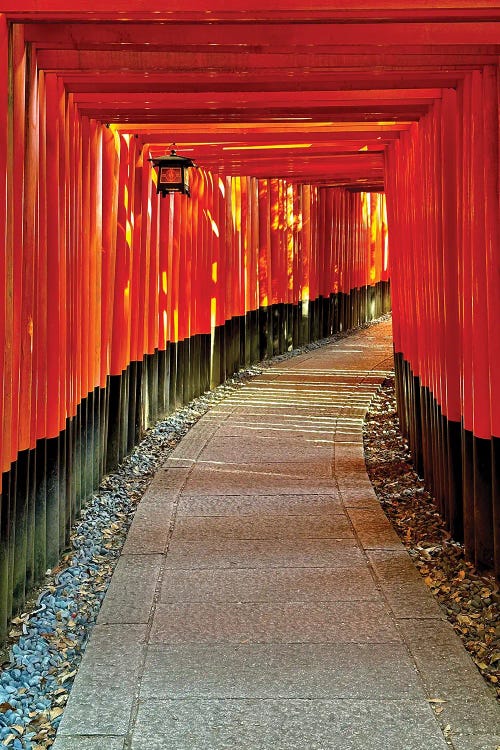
(173, 159)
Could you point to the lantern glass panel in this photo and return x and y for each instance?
(170, 175)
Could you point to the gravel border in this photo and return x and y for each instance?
(469, 598)
(48, 639)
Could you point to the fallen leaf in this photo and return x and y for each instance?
(5, 707)
(67, 676)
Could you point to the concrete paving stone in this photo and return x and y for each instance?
(129, 598)
(347, 436)
(353, 486)
(285, 725)
(106, 683)
(264, 527)
(408, 601)
(98, 708)
(354, 413)
(249, 505)
(275, 432)
(353, 462)
(113, 649)
(326, 415)
(350, 460)
(150, 529)
(167, 483)
(373, 529)
(262, 622)
(81, 742)
(230, 479)
(267, 450)
(284, 420)
(193, 443)
(291, 383)
(361, 499)
(281, 389)
(346, 449)
(449, 673)
(276, 585)
(179, 463)
(277, 553)
(314, 380)
(281, 671)
(353, 480)
(277, 394)
(478, 742)
(402, 584)
(319, 468)
(471, 715)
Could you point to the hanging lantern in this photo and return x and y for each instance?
(173, 173)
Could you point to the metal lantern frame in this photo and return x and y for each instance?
(172, 173)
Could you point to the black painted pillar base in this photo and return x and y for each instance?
(495, 492)
(483, 510)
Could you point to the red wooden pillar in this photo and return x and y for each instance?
(451, 334)
(5, 323)
(483, 516)
(39, 392)
(4, 145)
(491, 97)
(164, 270)
(14, 256)
(110, 175)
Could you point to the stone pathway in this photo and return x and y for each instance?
(263, 601)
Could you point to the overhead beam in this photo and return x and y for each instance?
(296, 98)
(96, 61)
(312, 80)
(142, 10)
(284, 36)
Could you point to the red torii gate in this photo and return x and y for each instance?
(294, 113)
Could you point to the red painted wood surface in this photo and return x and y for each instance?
(444, 272)
(293, 125)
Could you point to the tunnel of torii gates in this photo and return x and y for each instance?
(304, 119)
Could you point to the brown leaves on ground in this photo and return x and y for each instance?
(470, 598)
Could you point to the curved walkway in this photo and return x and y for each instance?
(263, 601)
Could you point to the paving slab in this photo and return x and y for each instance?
(265, 527)
(276, 449)
(107, 681)
(151, 528)
(262, 471)
(307, 671)
(403, 586)
(263, 601)
(276, 553)
(273, 585)
(86, 742)
(130, 596)
(373, 529)
(209, 479)
(277, 431)
(478, 742)
(446, 668)
(249, 505)
(286, 725)
(282, 622)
